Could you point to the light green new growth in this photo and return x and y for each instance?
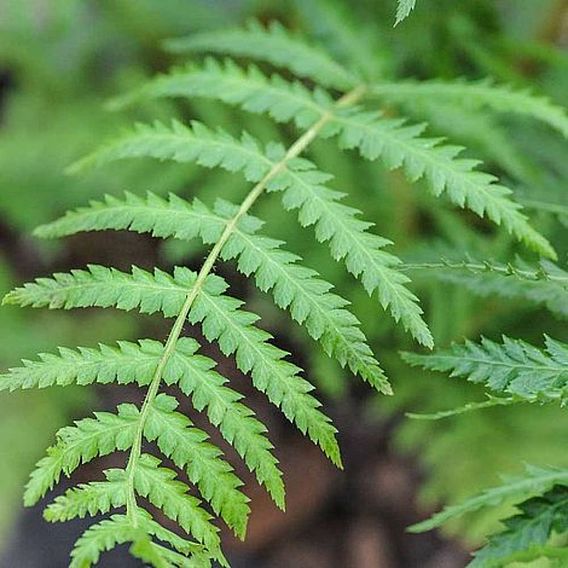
(200, 297)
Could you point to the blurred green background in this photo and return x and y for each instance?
(61, 60)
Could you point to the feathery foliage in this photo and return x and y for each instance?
(479, 94)
(331, 101)
(537, 480)
(543, 284)
(512, 368)
(538, 518)
(396, 143)
(273, 44)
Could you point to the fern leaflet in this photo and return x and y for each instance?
(513, 368)
(537, 480)
(273, 44)
(391, 140)
(294, 287)
(538, 518)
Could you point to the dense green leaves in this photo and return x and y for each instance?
(294, 287)
(304, 189)
(396, 143)
(221, 318)
(513, 367)
(401, 145)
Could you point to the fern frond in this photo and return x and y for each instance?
(537, 480)
(403, 10)
(334, 222)
(513, 367)
(123, 364)
(273, 44)
(532, 527)
(156, 484)
(294, 287)
(221, 318)
(223, 321)
(391, 140)
(198, 144)
(120, 529)
(478, 94)
(89, 498)
(400, 145)
(129, 362)
(544, 284)
(248, 89)
(102, 537)
(89, 438)
(188, 448)
(160, 487)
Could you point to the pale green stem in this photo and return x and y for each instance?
(295, 150)
(477, 267)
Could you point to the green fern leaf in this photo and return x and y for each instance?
(400, 145)
(294, 287)
(221, 317)
(197, 144)
(397, 144)
(120, 529)
(102, 537)
(188, 448)
(543, 284)
(536, 481)
(538, 518)
(249, 89)
(334, 222)
(193, 373)
(274, 45)
(160, 487)
(479, 94)
(89, 498)
(513, 368)
(195, 377)
(123, 364)
(89, 438)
